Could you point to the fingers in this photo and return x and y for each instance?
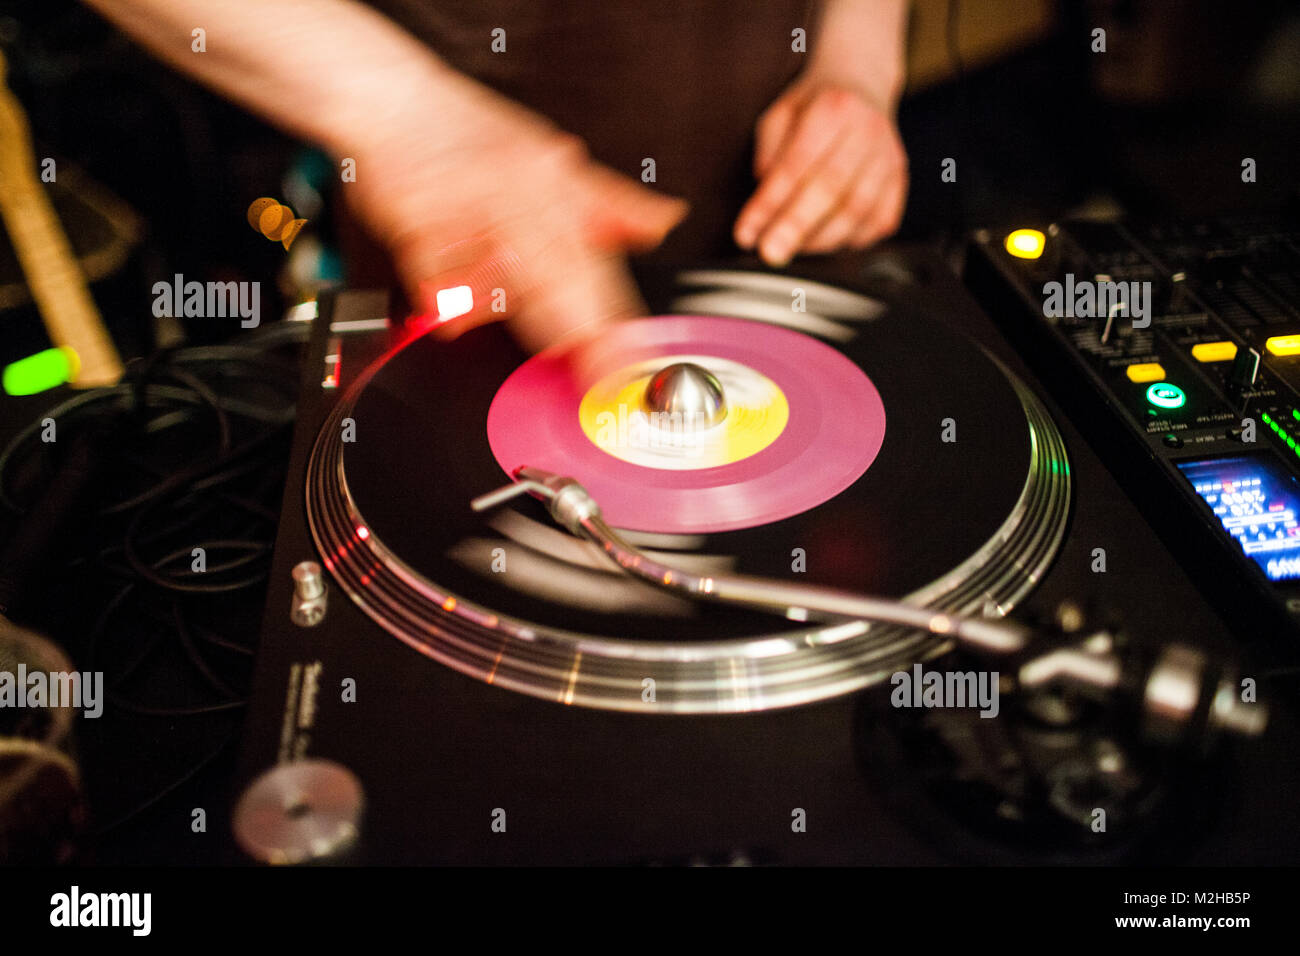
(570, 290)
(549, 273)
(881, 224)
(623, 214)
(822, 196)
(814, 134)
(549, 285)
(428, 266)
(866, 203)
(819, 196)
(887, 212)
(772, 130)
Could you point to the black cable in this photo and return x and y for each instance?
(196, 658)
(210, 399)
(228, 409)
(121, 703)
(253, 550)
(149, 574)
(211, 637)
(101, 622)
(124, 674)
(181, 479)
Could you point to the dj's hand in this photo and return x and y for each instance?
(464, 186)
(489, 195)
(831, 169)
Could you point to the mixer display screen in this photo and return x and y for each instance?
(1258, 504)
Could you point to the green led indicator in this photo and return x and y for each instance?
(44, 370)
(1164, 395)
(1295, 413)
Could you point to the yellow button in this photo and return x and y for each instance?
(1284, 345)
(1025, 243)
(1214, 351)
(1146, 372)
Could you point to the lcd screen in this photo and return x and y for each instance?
(1257, 502)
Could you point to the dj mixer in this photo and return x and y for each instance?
(1196, 404)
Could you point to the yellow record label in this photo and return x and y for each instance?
(615, 418)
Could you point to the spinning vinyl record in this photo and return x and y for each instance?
(858, 451)
(757, 464)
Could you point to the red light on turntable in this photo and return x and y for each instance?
(454, 301)
(363, 532)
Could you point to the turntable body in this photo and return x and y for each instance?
(472, 746)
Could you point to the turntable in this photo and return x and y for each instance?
(642, 600)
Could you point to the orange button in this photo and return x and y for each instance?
(1214, 351)
(1284, 345)
(1145, 372)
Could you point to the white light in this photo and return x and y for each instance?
(455, 301)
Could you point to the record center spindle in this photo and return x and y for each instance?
(688, 390)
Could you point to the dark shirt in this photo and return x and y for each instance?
(679, 82)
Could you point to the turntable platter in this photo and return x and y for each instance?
(910, 464)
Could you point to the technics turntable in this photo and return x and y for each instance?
(704, 590)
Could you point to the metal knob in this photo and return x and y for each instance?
(307, 580)
(687, 391)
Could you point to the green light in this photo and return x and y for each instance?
(1164, 395)
(1295, 413)
(1264, 415)
(42, 371)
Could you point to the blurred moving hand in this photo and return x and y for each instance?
(464, 186)
(503, 200)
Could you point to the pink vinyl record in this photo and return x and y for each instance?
(835, 428)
